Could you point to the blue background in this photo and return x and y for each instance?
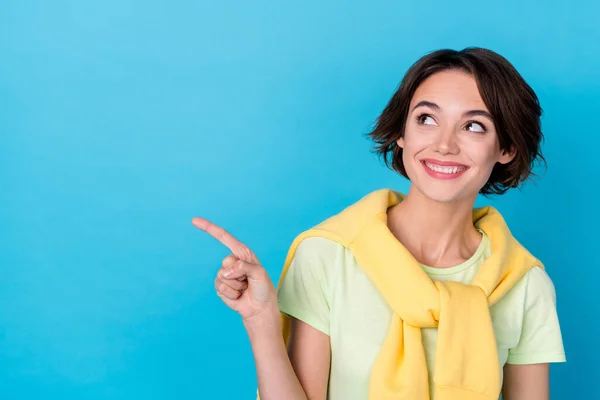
(121, 120)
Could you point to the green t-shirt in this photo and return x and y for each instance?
(327, 289)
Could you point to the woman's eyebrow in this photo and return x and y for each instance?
(425, 103)
(470, 113)
(480, 113)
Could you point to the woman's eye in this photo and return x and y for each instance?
(426, 120)
(475, 127)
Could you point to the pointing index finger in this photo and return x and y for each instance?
(239, 249)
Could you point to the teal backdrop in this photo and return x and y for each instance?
(122, 120)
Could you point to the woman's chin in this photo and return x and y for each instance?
(447, 193)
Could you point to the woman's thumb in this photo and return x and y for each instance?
(243, 270)
(236, 270)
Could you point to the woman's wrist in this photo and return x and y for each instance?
(267, 322)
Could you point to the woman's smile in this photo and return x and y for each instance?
(443, 169)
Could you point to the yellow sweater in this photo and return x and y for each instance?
(467, 366)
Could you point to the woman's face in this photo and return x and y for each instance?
(450, 145)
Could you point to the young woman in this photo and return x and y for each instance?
(414, 296)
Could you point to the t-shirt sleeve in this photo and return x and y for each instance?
(541, 338)
(304, 291)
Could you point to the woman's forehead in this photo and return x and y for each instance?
(450, 90)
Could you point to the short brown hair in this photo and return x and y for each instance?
(512, 103)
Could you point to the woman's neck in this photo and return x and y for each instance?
(437, 234)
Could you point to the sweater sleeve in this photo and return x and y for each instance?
(541, 339)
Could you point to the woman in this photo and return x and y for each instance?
(414, 296)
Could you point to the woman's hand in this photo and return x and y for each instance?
(242, 283)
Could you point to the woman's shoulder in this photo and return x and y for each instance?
(536, 279)
(540, 283)
(318, 248)
(534, 288)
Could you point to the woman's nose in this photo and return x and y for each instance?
(446, 142)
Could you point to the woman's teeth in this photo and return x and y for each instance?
(445, 170)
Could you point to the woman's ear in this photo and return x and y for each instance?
(507, 156)
(400, 142)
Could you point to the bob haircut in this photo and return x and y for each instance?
(512, 103)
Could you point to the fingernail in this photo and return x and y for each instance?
(227, 272)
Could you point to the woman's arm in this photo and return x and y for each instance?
(244, 286)
(526, 382)
(310, 354)
(300, 372)
(276, 377)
